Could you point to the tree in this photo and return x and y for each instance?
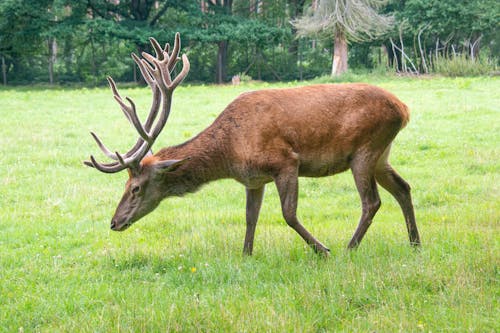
(439, 30)
(265, 39)
(22, 25)
(462, 23)
(219, 13)
(345, 20)
(239, 27)
(136, 20)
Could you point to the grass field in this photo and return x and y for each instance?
(181, 267)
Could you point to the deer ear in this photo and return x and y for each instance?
(170, 165)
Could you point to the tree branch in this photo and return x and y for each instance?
(405, 56)
(158, 15)
(94, 9)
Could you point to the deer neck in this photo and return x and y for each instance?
(207, 161)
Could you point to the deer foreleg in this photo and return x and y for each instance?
(254, 202)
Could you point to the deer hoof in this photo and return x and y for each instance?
(321, 250)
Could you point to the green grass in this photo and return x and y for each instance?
(181, 268)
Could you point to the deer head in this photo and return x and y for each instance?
(144, 190)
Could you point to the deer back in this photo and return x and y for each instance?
(321, 125)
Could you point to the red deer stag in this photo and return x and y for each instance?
(263, 136)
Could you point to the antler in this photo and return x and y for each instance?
(157, 73)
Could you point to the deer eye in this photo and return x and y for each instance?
(136, 189)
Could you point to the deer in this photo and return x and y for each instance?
(270, 135)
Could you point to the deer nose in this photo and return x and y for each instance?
(113, 224)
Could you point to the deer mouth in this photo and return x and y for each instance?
(116, 226)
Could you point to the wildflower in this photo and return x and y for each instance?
(193, 269)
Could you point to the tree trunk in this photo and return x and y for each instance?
(296, 10)
(52, 58)
(222, 52)
(403, 59)
(68, 55)
(4, 71)
(394, 57)
(93, 59)
(339, 63)
(222, 61)
(474, 48)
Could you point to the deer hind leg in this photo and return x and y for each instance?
(288, 186)
(389, 179)
(254, 202)
(363, 171)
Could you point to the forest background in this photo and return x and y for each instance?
(81, 42)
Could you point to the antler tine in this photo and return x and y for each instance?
(175, 52)
(167, 102)
(131, 114)
(107, 168)
(134, 118)
(153, 111)
(112, 84)
(185, 69)
(123, 163)
(171, 62)
(158, 49)
(120, 159)
(145, 73)
(160, 77)
(149, 73)
(133, 157)
(169, 85)
(101, 145)
(160, 72)
(118, 98)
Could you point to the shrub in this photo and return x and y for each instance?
(462, 65)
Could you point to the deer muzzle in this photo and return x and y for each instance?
(117, 225)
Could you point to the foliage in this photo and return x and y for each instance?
(358, 20)
(444, 28)
(181, 268)
(84, 41)
(22, 24)
(448, 17)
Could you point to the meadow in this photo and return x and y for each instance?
(181, 268)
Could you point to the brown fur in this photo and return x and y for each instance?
(281, 134)
(320, 126)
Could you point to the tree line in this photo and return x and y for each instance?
(67, 41)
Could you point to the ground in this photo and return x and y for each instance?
(181, 267)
